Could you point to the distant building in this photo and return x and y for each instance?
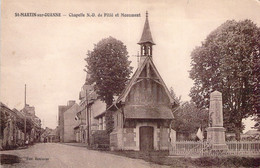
(91, 116)
(86, 96)
(33, 124)
(53, 136)
(29, 109)
(67, 121)
(70, 123)
(50, 135)
(62, 109)
(45, 133)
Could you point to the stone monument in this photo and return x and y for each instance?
(216, 131)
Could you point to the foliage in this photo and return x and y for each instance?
(175, 98)
(100, 140)
(109, 68)
(3, 121)
(109, 121)
(228, 61)
(233, 161)
(257, 120)
(162, 158)
(188, 118)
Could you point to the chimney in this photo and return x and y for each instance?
(71, 102)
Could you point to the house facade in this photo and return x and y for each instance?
(62, 109)
(67, 121)
(143, 112)
(18, 127)
(86, 97)
(33, 123)
(70, 123)
(91, 115)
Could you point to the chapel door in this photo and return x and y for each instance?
(146, 138)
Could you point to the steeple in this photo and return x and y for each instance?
(146, 41)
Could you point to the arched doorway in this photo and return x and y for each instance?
(146, 138)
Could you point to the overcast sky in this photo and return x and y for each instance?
(47, 53)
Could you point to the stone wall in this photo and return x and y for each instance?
(113, 141)
(163, 139)
(129, 142)
(128, 138)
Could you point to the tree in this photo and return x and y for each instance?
(257, 122)
(109, 68)
(188, 118)
(3, 121)
(109, 121)
(175, 98)
(228, 61)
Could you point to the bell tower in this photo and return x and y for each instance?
(146, 42)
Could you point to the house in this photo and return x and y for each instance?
(91, 116)
(70, 123)
(53, 136)
(33, 124)
(50, 135)
(143, 112)
(45, 133)
(67, 121)
(20, 127)
(15, 123)
(86, 96)
(8, 127)
(62, 109)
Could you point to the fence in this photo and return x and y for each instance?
(248, 148)
(199, 148)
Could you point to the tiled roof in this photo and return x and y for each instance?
(147, 112)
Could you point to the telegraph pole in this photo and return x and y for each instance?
(24, 114)
(87, 108)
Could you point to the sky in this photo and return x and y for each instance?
(47, 53)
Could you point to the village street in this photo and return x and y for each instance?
(61, 155)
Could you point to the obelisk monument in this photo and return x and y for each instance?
(216, 131)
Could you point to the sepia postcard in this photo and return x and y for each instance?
(120, 83)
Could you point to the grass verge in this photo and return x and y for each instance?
(162, 158)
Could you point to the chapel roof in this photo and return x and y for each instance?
(147, 112)
(136, 75)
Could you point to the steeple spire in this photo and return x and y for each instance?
(146, 41)
(147, 35)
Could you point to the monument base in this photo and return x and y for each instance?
(216, 136)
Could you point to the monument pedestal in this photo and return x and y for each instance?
(216, 136)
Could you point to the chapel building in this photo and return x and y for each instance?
(143, 112)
